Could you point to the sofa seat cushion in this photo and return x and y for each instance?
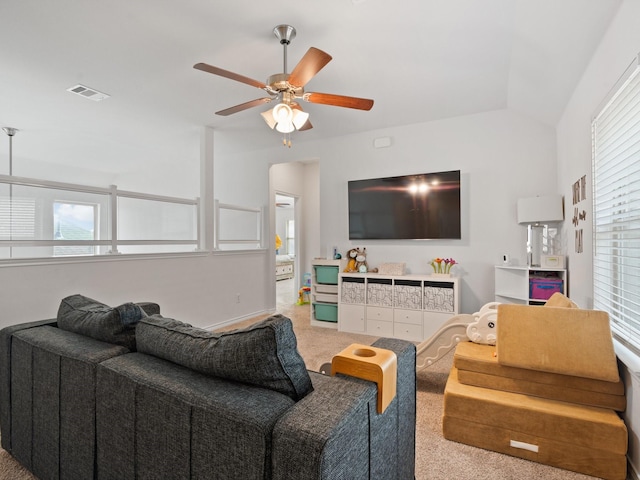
(264, 354)
(94, 319)
(568, 341)
(157, 419)
(50, 412)
(584, 439)
(477, 365)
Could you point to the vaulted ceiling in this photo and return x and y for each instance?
(420, 60)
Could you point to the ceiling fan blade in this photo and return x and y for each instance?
(227, 74)
(339, 100)
(312, 62)
(244, 106)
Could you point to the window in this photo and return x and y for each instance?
(291, 234)
(238, 227)
(44, 219)
(74, 221)
(616, 210)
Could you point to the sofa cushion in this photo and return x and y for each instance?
(91, 318)
(264, 354)
(568, 341)
(560, 300)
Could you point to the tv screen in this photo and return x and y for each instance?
(424, 206)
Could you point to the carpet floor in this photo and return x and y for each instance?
(436, 457)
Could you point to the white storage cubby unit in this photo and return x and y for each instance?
(513, 283)
(410, 307)
(324, 292)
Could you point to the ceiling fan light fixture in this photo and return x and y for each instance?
(287, 87)
(282, 113)
(299, 118)
(268, 117)
(285, 119)
(285, 127)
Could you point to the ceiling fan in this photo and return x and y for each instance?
(288, 88)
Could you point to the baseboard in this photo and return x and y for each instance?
(235, 320)
(632, 472)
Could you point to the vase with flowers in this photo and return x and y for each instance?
(442, 266)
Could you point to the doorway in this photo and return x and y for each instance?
(286, 253)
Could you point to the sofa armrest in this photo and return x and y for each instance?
(336, 431)
(406, 404)
(325, 430)
(6, 335)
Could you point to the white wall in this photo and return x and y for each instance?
(502, 155)
(200, 290)
(620, 45)
(302, 181)
(618, 48)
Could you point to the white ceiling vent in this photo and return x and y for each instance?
(87, 92)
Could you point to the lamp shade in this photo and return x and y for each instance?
(545, 209)
(285, 127)
(268, 117)
(299, 118)
(282, 113)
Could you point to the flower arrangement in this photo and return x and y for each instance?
(442, 265)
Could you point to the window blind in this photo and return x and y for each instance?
(17, 218)
(616, 210)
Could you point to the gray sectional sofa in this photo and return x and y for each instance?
(124, 393)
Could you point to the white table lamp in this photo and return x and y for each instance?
(537, 213)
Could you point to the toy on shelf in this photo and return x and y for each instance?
(361, 260)
(357, 261)
(351, 261)
(303, 296)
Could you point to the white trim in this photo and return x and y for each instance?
(239, 251)
(629, 72)
(632, 473)
(32, 182)
(112, 195)
(30, 262)
(630, 359)
(235, 320)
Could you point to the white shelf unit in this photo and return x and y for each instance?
(324, 293)
(410, 307)
(512, 283)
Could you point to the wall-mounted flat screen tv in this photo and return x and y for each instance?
(423, 206)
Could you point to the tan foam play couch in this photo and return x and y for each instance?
(547, 392)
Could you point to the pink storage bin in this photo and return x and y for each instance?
(543, 288)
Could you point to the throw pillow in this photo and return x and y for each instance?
(83, 315)
(264, 354)
(560, 300)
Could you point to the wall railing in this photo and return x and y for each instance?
(238, 228)
(125, 221)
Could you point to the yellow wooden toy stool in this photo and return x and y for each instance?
(370, 363)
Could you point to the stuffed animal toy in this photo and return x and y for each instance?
(351, 263)
(484, 329)
(361, 260)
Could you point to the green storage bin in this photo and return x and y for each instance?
(326, 274)
(326, 312)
